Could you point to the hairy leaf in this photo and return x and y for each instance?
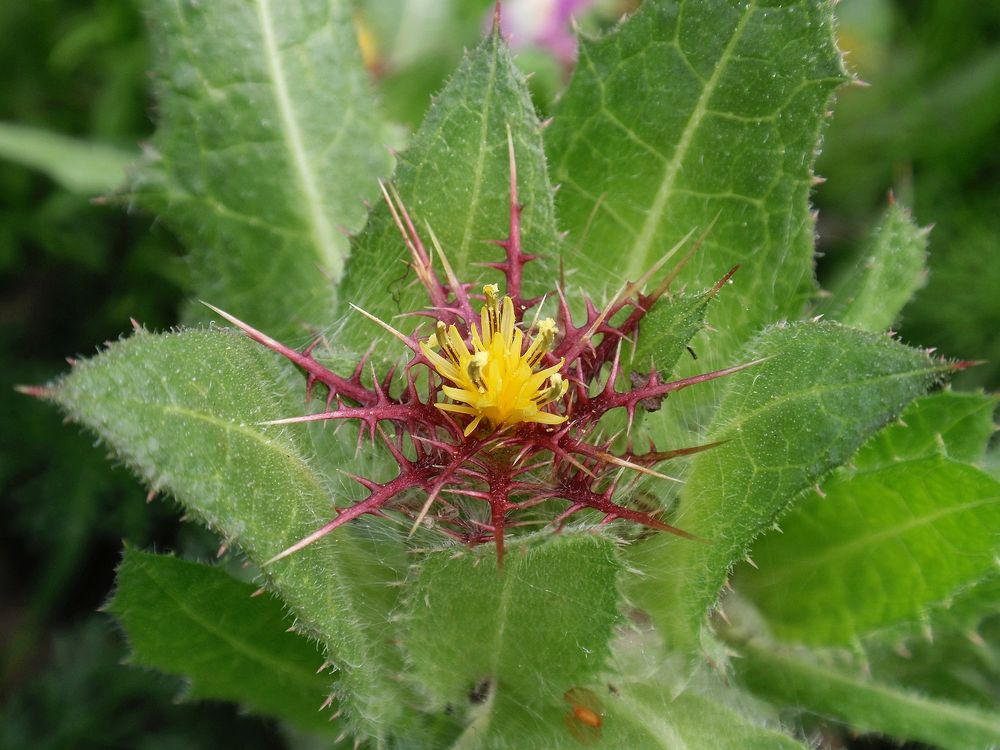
(793, 679)
(454, 181)
(900, 532)
(689, 720)
(185, 410)
(889, 271)
(528, 632)
(667, 330)
(268, 142)
(638, 716)
(784, 423)
(693, 114)
(201, 623)
(881, 547)
(645, 707)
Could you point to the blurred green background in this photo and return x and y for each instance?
(76, 108)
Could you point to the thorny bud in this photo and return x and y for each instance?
(510, 416)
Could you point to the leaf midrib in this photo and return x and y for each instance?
(323, 234)
(477, 183)
(654, 725)
(640, 248)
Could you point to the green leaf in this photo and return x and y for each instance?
(455, 178)
(957, 425)
(795, 680)
(954, 655)
(784, 423)
(880, 548)
(201, 623)
(667, 330)
(185, 410)
(689, 720)
(644, 702)
(904, 496)
(79, 166)
(636, 715)
(891, 268)
(691, 113)
(529, 632)
(268, 143)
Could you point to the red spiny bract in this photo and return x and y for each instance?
(510, 413)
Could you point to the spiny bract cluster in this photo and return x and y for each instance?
(511, 410)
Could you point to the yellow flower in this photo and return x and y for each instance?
(496, 381)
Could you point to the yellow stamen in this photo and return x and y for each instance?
(495, 381)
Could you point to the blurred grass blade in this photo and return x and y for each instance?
(79, 166)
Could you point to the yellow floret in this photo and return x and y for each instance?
(496, 381)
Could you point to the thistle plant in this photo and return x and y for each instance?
(536, 498)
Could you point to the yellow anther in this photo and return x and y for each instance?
(556, 390)
(477, 363)
(543, 342)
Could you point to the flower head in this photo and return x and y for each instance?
(512, 415)
(498, 381)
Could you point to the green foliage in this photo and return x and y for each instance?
(960, 661)
(957, 425)
(927, 127)
(795, 678)
(928, 520)
(267, 145)
(888, 273)
(454, 181)
(201, 623)
(783, 424)
(79, 166)
(699, 115)
(667, 331)
(691, 720)
(85, 698)
(184, 410)
(541, 625)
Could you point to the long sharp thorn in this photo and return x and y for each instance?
(305, 418)
(613, 459)
(677, 385)
(36, 391)
(401, 336)
(431, 497)
(330, 379)
(306, 541)
(676, 270)
(457, 288)
(654, 269)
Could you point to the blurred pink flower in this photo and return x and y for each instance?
(543, 23)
